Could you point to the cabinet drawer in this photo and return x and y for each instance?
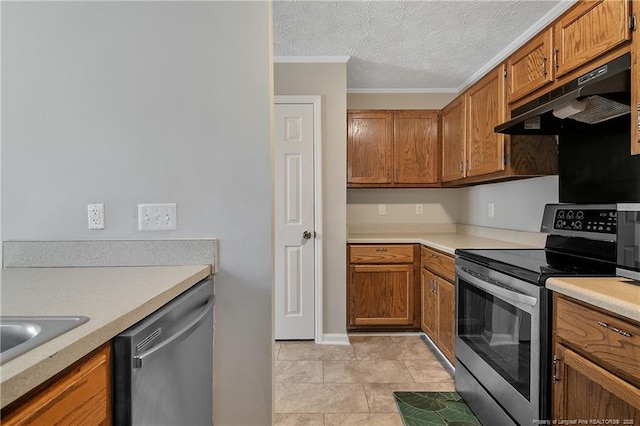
(438, 263)
(613, 342)
(80, 395)
(381, 253)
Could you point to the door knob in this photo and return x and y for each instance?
(306, 235)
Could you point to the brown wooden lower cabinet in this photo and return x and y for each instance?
(80, 395)
(586, 391)
(596, 367)
(382, 287)
(438, 312)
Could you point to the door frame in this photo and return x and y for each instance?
(314, 100)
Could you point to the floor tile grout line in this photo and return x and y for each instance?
(364, 392)
(410, 375)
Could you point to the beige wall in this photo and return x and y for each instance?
(399, 100)
(155, 106)
(518, 205)
(329, 81)
(439, 206)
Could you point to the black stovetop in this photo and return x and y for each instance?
(536, 265)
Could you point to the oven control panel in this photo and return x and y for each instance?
(602, 221)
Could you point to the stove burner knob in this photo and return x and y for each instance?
(580, 215)
(570, 214)
(559, 224)
(578, 225)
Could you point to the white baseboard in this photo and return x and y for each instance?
(333, 339)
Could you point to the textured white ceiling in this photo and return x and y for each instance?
(424, 45)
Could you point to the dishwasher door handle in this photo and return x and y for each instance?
(177, 337)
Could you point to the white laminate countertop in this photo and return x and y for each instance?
(446, 242)
(615, 294)
(114, 298)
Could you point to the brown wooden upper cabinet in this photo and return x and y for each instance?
(589, 29)
(392, 148)
(453, 119)
(486, 105)
(369, 147)
(635, 86)
(472, 152)
(531, 67)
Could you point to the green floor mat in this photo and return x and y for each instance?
(434, 409)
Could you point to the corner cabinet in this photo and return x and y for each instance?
(473, 153)
(79, 395)
(487, 108)
(392, 148)
(596, 364)
(382, 289)
(453, 126)
(438, 299)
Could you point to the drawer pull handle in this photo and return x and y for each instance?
(381, 249)
(614, 329)
(556, 360)
(435, 256)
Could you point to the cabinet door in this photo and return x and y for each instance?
(429, 304)
(453, 140)
(446, 318)
(381, 295)
(486, 104)
(531, 67)
(584, 390)
(635, 86)
(611, 342)
(369, 147)
(588, 30)
(415, 146)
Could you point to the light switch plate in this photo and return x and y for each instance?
(157, 217)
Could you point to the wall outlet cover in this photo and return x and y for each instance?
(157, 217)
(95, 216)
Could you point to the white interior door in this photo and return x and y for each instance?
(294, 221)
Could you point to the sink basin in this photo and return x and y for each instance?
(21, 334)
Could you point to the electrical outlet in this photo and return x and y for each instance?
(157, 217)
(491, 211)
(95, 216)
(419, 209)
(382, 209)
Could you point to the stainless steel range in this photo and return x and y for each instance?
(503, 311)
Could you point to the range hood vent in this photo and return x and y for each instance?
(595, 97)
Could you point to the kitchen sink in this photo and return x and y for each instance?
(19, 335)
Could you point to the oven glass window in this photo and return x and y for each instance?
(498, 332)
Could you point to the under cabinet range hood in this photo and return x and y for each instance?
(593, 98)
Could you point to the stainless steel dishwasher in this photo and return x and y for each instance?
(163, 365)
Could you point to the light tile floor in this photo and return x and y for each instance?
(354, 384)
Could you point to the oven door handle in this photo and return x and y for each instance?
(501, 292)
